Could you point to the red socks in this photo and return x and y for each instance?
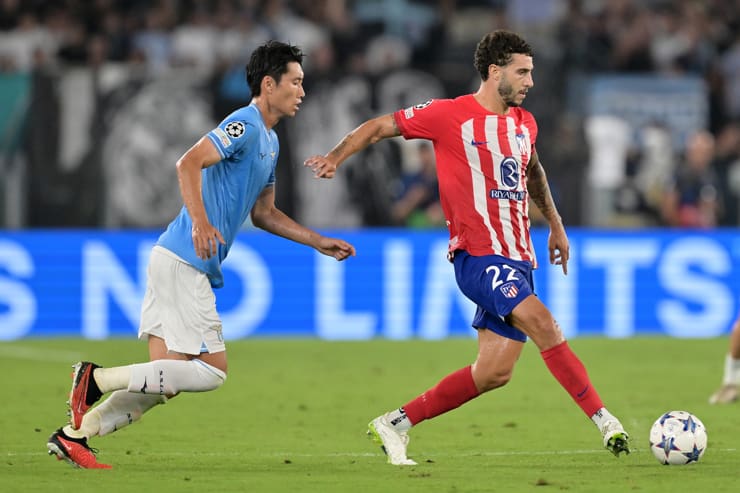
(458, 388)
(570, 372)
(452, 391)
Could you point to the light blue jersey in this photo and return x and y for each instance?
(249, 154)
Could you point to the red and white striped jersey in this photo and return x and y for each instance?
(481, 167)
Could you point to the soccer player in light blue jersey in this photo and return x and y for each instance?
(228, 174)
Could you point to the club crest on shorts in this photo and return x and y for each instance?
(509, 290)
(234, 129)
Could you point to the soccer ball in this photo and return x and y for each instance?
(678, 437)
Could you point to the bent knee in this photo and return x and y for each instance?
(492, 381)
(545, 333)
(214, 377)
(536, 321)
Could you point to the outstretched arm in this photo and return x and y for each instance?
(268, 217)
(539, 191)
(370, 132)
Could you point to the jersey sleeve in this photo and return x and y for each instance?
(421, 120)
(231, 136)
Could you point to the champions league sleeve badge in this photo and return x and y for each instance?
(409, 112)
(423, 105)
(234, 129)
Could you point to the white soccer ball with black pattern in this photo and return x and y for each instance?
(678, 437)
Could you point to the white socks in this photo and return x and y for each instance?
(119, 410)
(602, 416)
(168, 377)
(138, 388)
(161, 377)
(110, 379)
(732, 371)
(398, 419)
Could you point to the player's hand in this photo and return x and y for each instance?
(557, 243)
(321, 167)
(333, 247)
(206, 239)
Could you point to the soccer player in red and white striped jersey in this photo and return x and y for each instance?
(488, 169)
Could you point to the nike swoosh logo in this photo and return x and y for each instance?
(582, 392)
(478, 142)
(143, 388)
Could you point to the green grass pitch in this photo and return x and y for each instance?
(292, 416)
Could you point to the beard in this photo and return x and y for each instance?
(506, 91)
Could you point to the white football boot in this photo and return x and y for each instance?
(725, 395)
(616, 440)
(391, 441)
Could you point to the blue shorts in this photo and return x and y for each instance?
(496, 285)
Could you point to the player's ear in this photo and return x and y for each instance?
(493, 71)
(268, 84)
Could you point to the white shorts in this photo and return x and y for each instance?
(179, 306)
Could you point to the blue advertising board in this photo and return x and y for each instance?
(619, 284)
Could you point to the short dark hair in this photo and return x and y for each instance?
(497, 48)
(271, 58)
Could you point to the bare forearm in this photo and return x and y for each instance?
(539, 191)
(370, 132)
(278, 223)
(189, 179)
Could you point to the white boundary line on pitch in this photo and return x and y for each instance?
(477, 454)
(39, 354)
(366, 454)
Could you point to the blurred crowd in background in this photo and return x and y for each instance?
(637, 101)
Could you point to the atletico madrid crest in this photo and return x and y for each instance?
(521, 141)
(509, 290)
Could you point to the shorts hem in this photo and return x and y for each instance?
(505, 333)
